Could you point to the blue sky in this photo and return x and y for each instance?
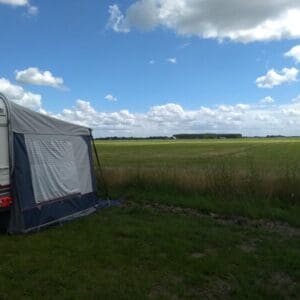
(163, 69)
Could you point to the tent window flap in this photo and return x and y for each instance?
(53, 167)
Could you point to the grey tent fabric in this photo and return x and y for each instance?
(51, 171)
(56, 162)
(24, 120)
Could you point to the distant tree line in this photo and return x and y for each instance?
(209, 136)
(192, 136)
(275, 136)
(118, 138)
(177, 136)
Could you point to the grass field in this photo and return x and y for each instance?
(252, 177)
(200, 220)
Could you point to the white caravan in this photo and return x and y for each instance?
(4, 156)
(5, 196)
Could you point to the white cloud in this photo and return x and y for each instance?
(267, 100)
(19, 95)
(243, 21)
(152, 62)
(184, 45)
(296, 99)
(32, 10)
(294, 53)
(242, 107)
(171, 60)
(84, 114)
(274, 78)
(172, 118)
(111, 98)
(15, 2)
(116, 19)
(37, 77)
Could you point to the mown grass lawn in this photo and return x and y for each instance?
(137, 253)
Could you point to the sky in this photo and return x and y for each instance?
(155, 67)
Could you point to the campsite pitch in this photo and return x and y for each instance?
(174, 237)
(138, 252)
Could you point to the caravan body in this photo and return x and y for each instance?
(46, 166)
(4, 158)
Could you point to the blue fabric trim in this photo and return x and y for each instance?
(22, 173)
(54, 211)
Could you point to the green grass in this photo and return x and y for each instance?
(252, 177)
(274, 154)
(141, 252)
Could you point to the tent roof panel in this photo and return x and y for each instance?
(24, 120)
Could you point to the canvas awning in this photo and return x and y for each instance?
(26, 121)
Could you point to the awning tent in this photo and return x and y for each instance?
(52, 176)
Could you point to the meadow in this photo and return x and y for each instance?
(199, 220)
(252, 177)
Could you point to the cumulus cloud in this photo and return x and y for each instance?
(36, 77)
(267, 100)
(19, 95)
(108, 123)
(111, 98)
(172, 60)
(294, 53)
(274, 78)
(172, 118)
(32, 10)
(244, 21)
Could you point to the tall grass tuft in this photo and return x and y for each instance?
(225, 180)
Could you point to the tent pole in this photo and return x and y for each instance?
(100, 169)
